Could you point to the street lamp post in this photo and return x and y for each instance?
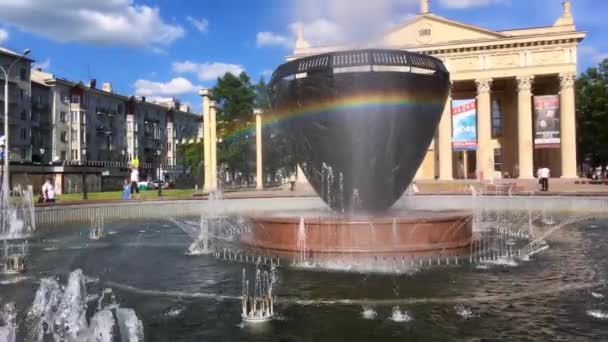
(160, 186)
(7, 72)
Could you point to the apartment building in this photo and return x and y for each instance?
(20, 106)
(95, 124)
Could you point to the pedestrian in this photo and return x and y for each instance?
(292, 180)
(126, 190)
(48, 191)
(134, 180)
(543, 174)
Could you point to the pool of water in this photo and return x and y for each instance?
(556, 295)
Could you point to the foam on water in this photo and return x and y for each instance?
(596, 295)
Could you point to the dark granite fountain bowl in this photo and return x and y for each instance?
(361, 121)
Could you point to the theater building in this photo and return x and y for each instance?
(516, 87)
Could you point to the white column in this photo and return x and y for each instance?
(485, 153)
(213, 146)
(259, 177)
(445, 141)
(206, 94)
(525, 146)
(568, 125)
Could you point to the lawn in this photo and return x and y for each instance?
(117, 195)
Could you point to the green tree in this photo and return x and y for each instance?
(592, 115)
(235, 97)
(278, 151)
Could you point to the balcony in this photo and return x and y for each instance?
(105, 111)
(103, 129)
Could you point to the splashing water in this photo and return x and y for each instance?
(17, 218)
(463, 311)
(369, 313)
(599, 314)
(597, 295)
(258, 307)
(400, 316)
(60, 314)
(8, 323)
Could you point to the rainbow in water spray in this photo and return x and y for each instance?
(353, 103)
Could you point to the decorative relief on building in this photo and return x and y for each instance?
(484, 85)
(566, 80)
(524, 82)
(464, 63)
(505, 61)
(548, 57)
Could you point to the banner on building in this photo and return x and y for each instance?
(546, 121)
(464, 124)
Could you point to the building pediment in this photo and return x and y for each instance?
(430, 29)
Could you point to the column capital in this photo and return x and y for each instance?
(205, 93)
(257, 111)
(524, 82)
(566, 80)
(484, 85)
(213, 104)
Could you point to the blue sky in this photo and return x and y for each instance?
(170, 48)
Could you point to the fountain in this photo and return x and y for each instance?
(8, 323)
(259, 306)
(13, 257)
(97, 230)
(60, 313)
(17, 219)
(361, 122)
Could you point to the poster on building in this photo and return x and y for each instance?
(464, 124)
(546, 121)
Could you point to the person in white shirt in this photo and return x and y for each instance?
(543, 175)
(292, 180)
(48, 191)
(134, 181)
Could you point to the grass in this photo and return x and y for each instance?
(117, 195)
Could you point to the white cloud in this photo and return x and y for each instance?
(202, 25)
(44, 65)
(109, 22)
(207, 71)
(3, 36)
(594, 54)
(461, 4)
(163, 91)
(273, 39)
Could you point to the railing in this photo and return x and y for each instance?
(102, 163)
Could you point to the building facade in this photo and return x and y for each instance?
(20, 105)
(511, 76)
(55, 122)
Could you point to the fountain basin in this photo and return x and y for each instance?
(416, 232)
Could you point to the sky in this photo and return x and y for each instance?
(172, 48)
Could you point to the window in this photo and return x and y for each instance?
(119, 109)
(74, 135)
(23, 133)
(23, 153)
(496, 118)
(75, 155)
(64, 137)
(63, 155)
(64, 98)
(75, 117)
(23, 74)
(497, 159)
(75, 98)
(23, 115)
(63, 117)
(21, 94)
(38, 100)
